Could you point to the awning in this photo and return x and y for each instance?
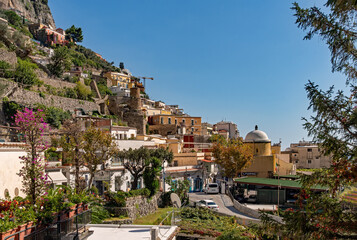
(57, 177)
(275, 183)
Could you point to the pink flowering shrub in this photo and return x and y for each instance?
(32, 126)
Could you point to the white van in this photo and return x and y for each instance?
(212, 188)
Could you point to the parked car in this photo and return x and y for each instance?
(208, 204)
(212, 188)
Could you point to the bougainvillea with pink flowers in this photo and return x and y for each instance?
(31, 125)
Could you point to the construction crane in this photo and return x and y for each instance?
(151, 78)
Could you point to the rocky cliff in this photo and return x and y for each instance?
(33, 10)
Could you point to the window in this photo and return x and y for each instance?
(192, 122)
(297, 161)
(309, 161)
(118, 161)
(175, 163)
(183, 120)
(169, 119)
(192, 129)
(121, 136)
(175, 121)
(162, 120)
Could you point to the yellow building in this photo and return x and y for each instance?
(118, 79)
(267, 159)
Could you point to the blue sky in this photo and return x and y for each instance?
(234, 60)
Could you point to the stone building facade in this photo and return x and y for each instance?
(308, 155)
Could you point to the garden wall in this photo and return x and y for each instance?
(29, 98)
(58, 83)
(137, 207)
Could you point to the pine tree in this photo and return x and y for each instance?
(333, 126)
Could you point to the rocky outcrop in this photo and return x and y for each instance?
(9, 57)
(33, 10)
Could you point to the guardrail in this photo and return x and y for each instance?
(248, 211)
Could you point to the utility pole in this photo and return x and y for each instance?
(163, 175)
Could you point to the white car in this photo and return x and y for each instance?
(208, 204)
(212, 188)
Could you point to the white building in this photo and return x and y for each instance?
(120, 91)
(123, 133)
(10, 162)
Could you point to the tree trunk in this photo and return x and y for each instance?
(134, 186)
(77, 182)
(90, 181)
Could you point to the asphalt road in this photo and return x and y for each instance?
(223, 201)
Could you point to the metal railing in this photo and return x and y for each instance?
(67, 228)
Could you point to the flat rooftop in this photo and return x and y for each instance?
(292, 184)
(128, 232)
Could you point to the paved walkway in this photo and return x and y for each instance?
(223, 201)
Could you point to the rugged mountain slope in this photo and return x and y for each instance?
(34, 10)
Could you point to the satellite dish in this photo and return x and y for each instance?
(175, 200)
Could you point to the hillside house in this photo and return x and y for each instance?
(47, 35)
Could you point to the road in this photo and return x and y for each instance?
(223, 201)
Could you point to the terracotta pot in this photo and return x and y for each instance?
(29, 228)
(21, 229)
(80, 207)
(72, 211)
(3, 235)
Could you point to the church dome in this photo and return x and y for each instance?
(257, 136)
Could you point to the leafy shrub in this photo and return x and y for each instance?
(99, 213)
(118, 199)
(70, 93)
(10, 108)
(204, 221)
(104, 90)
(234, 234)
(13, 18)
(53, 115)
(83, 92)
(165, 199)
(60, 61)
(25, 73)
(51, 154)
(87, 81)
(4, 69)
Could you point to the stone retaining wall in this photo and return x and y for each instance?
(29, 98)
(137, 207)
(57, 83)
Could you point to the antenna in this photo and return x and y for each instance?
(176, 202)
